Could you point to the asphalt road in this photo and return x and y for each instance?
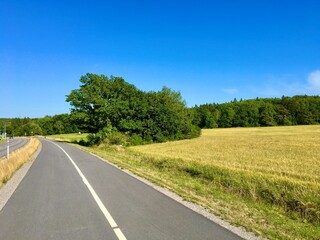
(70, 194)
(15, 144)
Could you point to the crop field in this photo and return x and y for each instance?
(264, 179)
(286, 153)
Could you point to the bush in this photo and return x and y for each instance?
(135, 139)
(99, 137)
(117, 138)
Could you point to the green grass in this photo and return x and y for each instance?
(71, 137)
(2, 140)
(265, 179)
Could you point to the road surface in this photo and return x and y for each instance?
(15, 144)
(70, 194)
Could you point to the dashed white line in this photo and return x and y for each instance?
(119, 234)
(103, 209)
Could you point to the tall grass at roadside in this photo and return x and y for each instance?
(16, 160)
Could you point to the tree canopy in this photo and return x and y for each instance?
(151, 116)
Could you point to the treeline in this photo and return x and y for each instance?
(113, 110)
(58, 124)
(285, 111)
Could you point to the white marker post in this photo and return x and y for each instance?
(8, 150)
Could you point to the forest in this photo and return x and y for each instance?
(111, 108)
(285, 111)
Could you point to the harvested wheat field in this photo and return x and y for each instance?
(282, 152)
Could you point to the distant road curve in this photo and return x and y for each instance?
(15, 144)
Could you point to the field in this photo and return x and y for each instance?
(71, 137)
(265, 179)
(281, 152)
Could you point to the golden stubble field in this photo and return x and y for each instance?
(288, 152)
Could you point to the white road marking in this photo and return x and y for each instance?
(119, 234)
(103, 209)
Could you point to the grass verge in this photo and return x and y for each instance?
(9, 166)
(71, 137)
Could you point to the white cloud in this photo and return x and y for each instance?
(279, 88)
(314, 80)
(289, 85)
(231, 90)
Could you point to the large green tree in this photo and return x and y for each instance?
(154, 116)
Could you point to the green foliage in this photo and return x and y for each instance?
(58, 124)
(139, 116)
(298, 110)
(99, 137)
(117, 138)
(135, 139)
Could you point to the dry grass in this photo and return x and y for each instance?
(16, 160)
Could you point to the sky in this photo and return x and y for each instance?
(210, 51)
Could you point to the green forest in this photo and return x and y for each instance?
(111, 108)
(285, 111)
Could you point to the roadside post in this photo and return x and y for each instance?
(8, 146)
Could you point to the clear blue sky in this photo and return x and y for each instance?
(210, 51)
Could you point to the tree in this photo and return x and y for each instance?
(267, 114)
(153, 116)
(47, 125)
(90, 103)
(227, 116)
